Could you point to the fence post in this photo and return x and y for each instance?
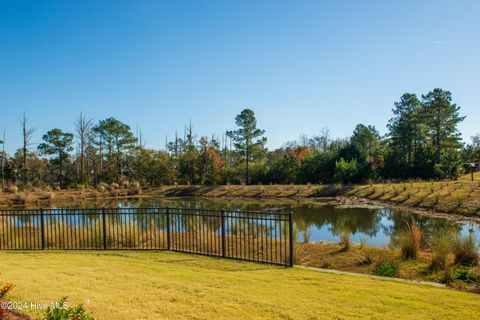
(42, 229)
(224, 249)
(104, 230)
(290, 227)
(168, 228)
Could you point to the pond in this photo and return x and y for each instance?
(316, 221)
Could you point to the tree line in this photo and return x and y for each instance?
(423, 142)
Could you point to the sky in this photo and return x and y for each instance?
(300, 65)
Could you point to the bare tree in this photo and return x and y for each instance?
(83, 127)
(303, 140)
(27, 134)
(325, 139)
(188, 133)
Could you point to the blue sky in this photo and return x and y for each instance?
(300, 65)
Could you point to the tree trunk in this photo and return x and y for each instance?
(82, 161)
(438, 135)
(60, 175)
(247, 175)
(25, 150)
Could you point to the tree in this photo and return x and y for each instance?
(188, 165)
(154, 167)
(320, 142)
(476, 140)
(27, 134)
(118, 139)
(210, 161)
(406, 132)
(442, 118)
(248, 138)
(367, 141)
(57, 143)
(346, 171)
(475, 157)
(83, 127)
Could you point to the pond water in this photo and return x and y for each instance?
(317, 221)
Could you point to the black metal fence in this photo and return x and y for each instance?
(245, 235)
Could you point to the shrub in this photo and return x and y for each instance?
(65, 313)
(5, 290)
(465, 250)
(409, 241)
(3, 293)
(386, 269)
(463, 273)
(441, 247)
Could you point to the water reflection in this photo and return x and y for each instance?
(316, 222)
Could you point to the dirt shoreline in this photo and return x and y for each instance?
(347, 200)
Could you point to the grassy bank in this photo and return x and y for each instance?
(460, 197)
(140, 285)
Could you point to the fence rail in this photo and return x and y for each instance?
(244, 235)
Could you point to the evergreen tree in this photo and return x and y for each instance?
(442, 118)
(57, 142)
(406, 132)
(248, 138)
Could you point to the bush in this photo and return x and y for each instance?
(65, 313)
(465, 250)
(409, 241)
(5, 290)
(386, 269)
(3, 293)
(441, 247)
(463, 273)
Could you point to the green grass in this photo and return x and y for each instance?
(158, 285)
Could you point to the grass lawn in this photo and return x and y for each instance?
(158, 285)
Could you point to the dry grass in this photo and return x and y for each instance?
(441, 244)
(156, 285)
(461, 197)
(468, 176)
(409, 241)
(465, 250)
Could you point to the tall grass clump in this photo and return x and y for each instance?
(441, 244)
(345, 242)
(465, 250)
(409, 241)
